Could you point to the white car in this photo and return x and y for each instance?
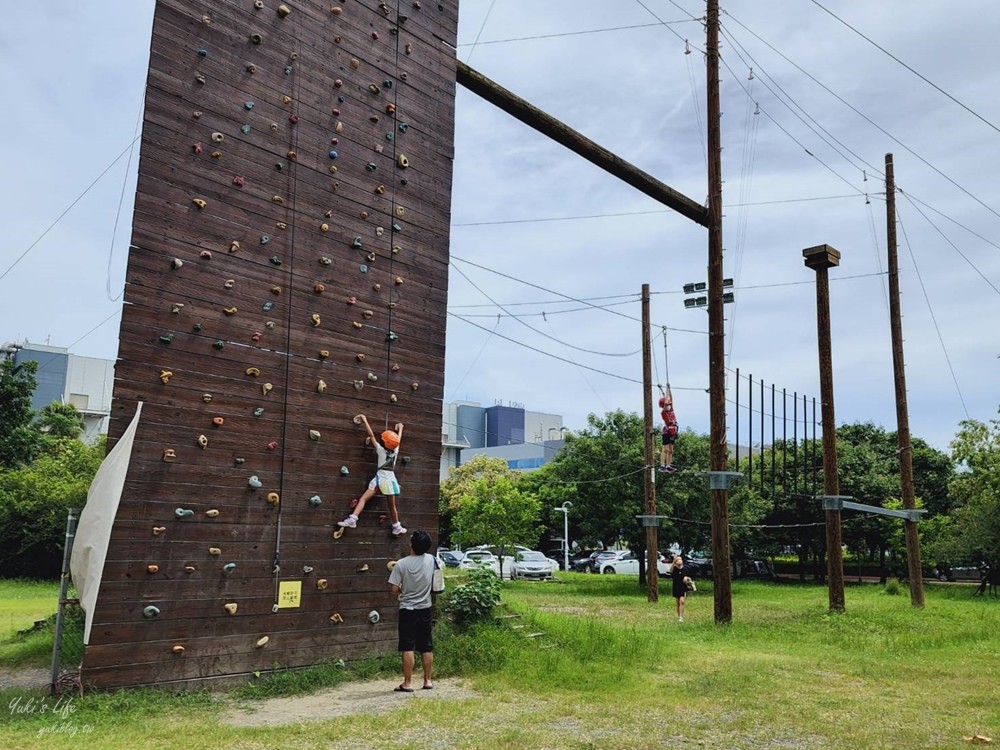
(477, 558)
(531, 564)
(625, 562)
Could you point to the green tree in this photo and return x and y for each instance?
(458, 486)
(974, 532)
(58, 420)
(19, 442)
(34, 500)
(497, 513)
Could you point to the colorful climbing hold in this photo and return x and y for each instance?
(314, 501)
(259, 411)
(203, 441)
(229, 568)
(266, 388)
(220, 344)
(273, 498)
(212, 513)
(231, 607)
(152, 568)
(321, 584)
(157, 530)
(373, 616)
(315, 320)
(344, 471)
(272, 445)
(214, 551)
(218, 421)
(314, 434)
(167, 338)
(199, 202)
(254, 482)
(169, 455)
(321, 386)
(150, 611)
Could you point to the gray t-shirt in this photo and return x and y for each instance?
(414, 575)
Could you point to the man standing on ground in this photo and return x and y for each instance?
(411, 579)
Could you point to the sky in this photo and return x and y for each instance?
(549, 253)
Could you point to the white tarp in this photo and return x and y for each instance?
(93, 532)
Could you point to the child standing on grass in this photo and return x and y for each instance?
(679, 585)
(384, 480)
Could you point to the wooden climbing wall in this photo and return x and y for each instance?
(288, 271)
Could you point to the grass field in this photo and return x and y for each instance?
(614, 671)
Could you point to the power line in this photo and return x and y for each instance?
(918, 75)
(563, 359)
(483, 26)
(874, 124)
(542, 333)
(930, 309)
(574, 33)
(655, 211)
(68, 209)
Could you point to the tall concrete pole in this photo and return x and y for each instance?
(820, 259)
(652, 544)
(719, 450)
(914, 571)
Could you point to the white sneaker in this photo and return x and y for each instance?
(398, 529)
(351, 522)
(680, 619)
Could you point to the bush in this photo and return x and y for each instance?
(474, 601)
(34, 500)
(892, 587)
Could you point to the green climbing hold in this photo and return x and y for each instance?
(357, 242)
(167, 338)
(219, 344)
(275, 260)
(150, 611)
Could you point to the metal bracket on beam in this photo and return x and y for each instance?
(720, 480)
(844, 502)
(650, 520)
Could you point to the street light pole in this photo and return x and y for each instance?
(565, 511)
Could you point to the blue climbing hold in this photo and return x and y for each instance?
(228, 568)
(344, 471)
(254, 482)
(259, 411)
(389, 136)
(248, 105)
(315, 500)
(357, 242)
(403, 127)
(245, 128)
(203, 53)
(341, 99)
(264, 239)
(288, 70)
(275, 260)
(391, 337)
(267, 306)
(183, 512)
(363, 268)
(333, 154)
(371, 166)
(396, 228)
(150, 611)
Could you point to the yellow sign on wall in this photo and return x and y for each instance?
(289, 594)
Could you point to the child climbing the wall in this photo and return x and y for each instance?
(669, 432)
(384, 480)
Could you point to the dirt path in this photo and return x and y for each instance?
(375, 696)
(24, 677)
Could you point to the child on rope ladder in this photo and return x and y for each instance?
(669, 432)
(384, 480)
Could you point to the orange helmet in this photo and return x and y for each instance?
(663, 401)
(390, 439)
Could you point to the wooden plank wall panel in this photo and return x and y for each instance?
(309, 286)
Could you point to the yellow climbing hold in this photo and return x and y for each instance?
(199, 202)
(273, 498)
(230, 310)
(231, 608)
(321, 584)
(315, 320)
(253, 371)
(262, 641)
(165, 375)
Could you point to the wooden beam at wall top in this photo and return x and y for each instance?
(544, 123)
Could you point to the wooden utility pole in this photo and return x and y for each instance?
(652, 524)
(820, 259)
(719, 450)
(899, 378)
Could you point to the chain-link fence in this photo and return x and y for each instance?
(67, 640)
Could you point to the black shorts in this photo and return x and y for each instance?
(667, 438)
(415, 630)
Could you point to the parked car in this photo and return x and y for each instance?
(475, 558)
(594, 564)
(531, 564)
(627, 563)
(580, 561)
(958, 572)
(450, 558)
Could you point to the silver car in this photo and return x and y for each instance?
(531, 564)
